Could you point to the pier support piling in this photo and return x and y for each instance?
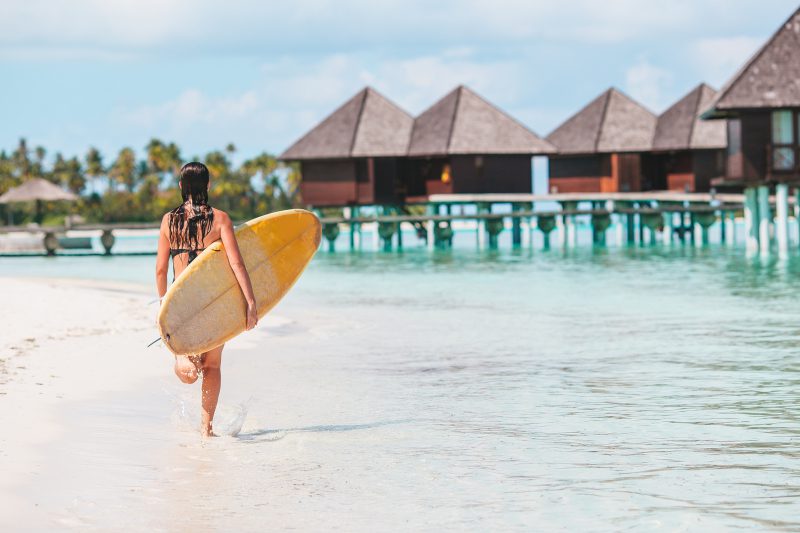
(516, 229)
(107, 240)
(751, 220)
(764, 219)
(668, 228)
(729, 227)
(704, 222)
(493, 227)
(782, 219)
(600, 223)
(330, 232)
(443, 234)
(546, 225)
(50, 242)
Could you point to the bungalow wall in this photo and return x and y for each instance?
(470, 174)
(358, 181)
(602, 173)
(762, 147)
(689, 170)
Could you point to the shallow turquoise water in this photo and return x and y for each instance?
(583, 389)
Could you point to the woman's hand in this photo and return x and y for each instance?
(252, 315)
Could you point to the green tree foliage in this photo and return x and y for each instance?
(141, 190)
(94, 166)
(123, 170)
(68, 173)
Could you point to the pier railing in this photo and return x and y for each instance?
(637, 217)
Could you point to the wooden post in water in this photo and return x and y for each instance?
(432, 210)
(386, 230)
(530, 226)
(729, 229)
(357, 227)
(600, 223)
(782, 219)
(630, 225)
(704, 222)
(569, 225)
(330, 231)
(347, 212)
(764, 219)
(797, 212)
(546, 225)
(667, 231)
(399, 236)
(482, 208)
(376, 235)
(751, 220)
(107, 240)
(494, 226)
(516, 229)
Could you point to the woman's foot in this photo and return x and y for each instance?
(185, 369)
(208, 432)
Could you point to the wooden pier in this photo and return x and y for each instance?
(638, 218)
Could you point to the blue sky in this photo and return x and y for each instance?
(204, 73)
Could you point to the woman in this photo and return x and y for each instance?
(185, 232)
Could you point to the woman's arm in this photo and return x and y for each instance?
(162, 258)
(237, 265)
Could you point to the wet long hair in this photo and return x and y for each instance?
(191, 221)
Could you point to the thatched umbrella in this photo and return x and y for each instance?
(36, 190)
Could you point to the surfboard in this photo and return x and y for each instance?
(205, 306)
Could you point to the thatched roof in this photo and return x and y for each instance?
(36, 189)
(770, 79)
(612, 122)
(464, 123)
(680, 127)
(367, 125)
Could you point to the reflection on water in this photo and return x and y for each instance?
(587, 389)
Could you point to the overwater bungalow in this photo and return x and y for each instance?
(355, 156)
(762, 105)
(605, 147)
(690, 152)
(464, 144)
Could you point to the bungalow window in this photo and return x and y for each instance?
(784, 141)
(735, 162)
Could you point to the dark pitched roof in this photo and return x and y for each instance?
(464, 123)
(612, 122)
(771, 78)
(680, 127)
(367, 125)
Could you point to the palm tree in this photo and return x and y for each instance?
(68, 173)
(7, 177)
(123, 170)
(21, 161)
(94, 167)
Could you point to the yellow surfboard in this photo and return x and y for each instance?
(205, 306)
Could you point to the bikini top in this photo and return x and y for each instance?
(192, 253)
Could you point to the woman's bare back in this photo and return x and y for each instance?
(181, 261)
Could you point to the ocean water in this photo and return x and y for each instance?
(625, 388)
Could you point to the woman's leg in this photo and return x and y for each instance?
(186, 368)
(212, 380)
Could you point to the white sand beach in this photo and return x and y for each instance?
(99, 435)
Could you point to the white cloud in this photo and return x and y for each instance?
(648, 84)
(254, 27)
(290, 98)
(721, 57)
